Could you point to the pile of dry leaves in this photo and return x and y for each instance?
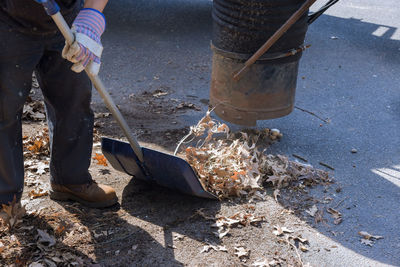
(36, 154)
(235, 165)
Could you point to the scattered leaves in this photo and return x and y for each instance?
(224, 224)
(11, 214)
(37, 145)
(33, 111)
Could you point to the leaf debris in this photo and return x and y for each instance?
(234, 166)
(367, 239)
(336, 215)
(33, 110)
(12, 214)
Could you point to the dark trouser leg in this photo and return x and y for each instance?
(67, 97)
(18, 58)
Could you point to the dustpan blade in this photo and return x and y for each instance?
(165, 170)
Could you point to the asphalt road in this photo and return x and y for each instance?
(351, 77)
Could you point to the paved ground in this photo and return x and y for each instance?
(353, 80)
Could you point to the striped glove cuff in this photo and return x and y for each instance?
(90, 22)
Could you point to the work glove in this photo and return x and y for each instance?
(86, 50)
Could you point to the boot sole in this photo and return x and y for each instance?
(61, 196)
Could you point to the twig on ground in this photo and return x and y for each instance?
(299, 157)
(326, 165)
(296, 250)
(181, 142)
(313, 114)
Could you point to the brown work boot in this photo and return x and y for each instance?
(91, 194)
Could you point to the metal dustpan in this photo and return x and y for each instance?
(164, 169)
(147, 164)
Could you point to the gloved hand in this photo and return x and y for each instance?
(88, 27)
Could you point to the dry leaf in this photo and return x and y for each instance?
(37, 145)
(177, 236)
(261, 263)
(45, 239)
(101, 160)
(101, 115)
(300, 239)
(221, 233)
(37, 192)
(2, 247)
(60, 229)
(319, 216)
(207, 248)
(33, 110)
(366, 242)
(312, 211)
(241, 252)
(276, 194)
(11, 214)
(336, 215)
(368, 236)
(160, 93)
(303, 248)
(281, 230)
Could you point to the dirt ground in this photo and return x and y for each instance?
(153, 226)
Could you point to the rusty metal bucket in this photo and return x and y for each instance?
(267, 90)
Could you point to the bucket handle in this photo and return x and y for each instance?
(261, 51)
(272, 40)
(316, 14)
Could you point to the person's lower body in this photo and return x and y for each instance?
(67, 97)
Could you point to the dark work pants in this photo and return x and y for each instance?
(67, 97)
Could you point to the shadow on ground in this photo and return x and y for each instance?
(371, 202)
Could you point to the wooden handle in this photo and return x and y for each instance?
(98, 84)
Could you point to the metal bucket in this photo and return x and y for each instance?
(267, 90)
